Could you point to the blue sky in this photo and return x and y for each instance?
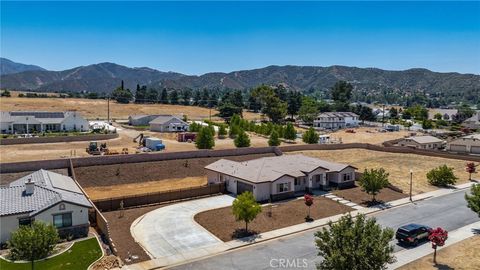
(200, 37)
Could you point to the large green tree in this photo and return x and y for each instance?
(290, 133)
(342, 93)
(373, 181)
(245, 208)
(309, 110)
(473, 199)
(122, 95)
(33, 242)
(242, 139)
(294, 102)
(164, 96)
(272, 105)
(274, 140)
(355, 244)
(205, 138)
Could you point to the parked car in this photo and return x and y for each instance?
(412, 234)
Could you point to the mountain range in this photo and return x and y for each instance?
(105, 77)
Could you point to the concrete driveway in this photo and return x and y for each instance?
(170, 233)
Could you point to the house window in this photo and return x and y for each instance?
(25, 221)
(296, 182)
(62, 220)
(346, 177)
(283, 187)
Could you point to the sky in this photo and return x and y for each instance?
(201, 37)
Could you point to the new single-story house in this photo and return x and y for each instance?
(142, 119)
(168, 123)
(422, 142)
(22, 122)
(336, 120)
(465, 144)
(44, 196)
(280, 177)
(472, 122)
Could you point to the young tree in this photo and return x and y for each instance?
(274, 140)
(33, 242)
(470, 169)
(242, 139)
(290, 133)
(310, 137)
(308, 202)
(437, 237)
(205, 138)
(441, 176)
(222, 131)
(355, 244)
(374, 180)
(245, 208)
(473, 199)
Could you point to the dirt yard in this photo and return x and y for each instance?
(464, 255)
(283, 214)
(97, 108)
(398, 165)
(367, 135)
(7, 178)
(102, 192)
(357, 196)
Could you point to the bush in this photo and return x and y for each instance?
(242, 140)
(290, 133)
(310, 137)
(274, 140)
(441, 176)
(222, 131)
(205, 138)
(33, 242)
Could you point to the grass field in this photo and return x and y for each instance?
(78, 257)
(464, 255)
(97, 108)
(398, 165)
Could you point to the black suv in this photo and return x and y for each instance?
(412, 234)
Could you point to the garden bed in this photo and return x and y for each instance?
(223, 225)
(358, 196)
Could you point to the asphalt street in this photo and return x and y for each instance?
(298, 251)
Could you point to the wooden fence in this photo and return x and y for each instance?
(112, 204)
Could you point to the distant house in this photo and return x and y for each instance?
(44, 196)
(168, 123)
(422, 142)
(336, 120)
(472, 122)
(142, 119)
(465, 144)
(274, 178)
(23, 122)
(447, 114)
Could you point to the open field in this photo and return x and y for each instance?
(367, 135)
(464, 255)
(97, 108)
(105, 192)
(398, 165)
(283, 214)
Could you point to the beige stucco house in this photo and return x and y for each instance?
(44, 196)
(465, 144)
(275, 178)
(422, 142)
(22, 122)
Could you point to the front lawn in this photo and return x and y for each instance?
(79, 256)
(222, 223)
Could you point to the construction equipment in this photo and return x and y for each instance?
(141, 139)
(350, 131)
(186, 137)
(93, 148)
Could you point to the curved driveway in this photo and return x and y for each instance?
(171, 230)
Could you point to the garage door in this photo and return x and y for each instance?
(458, 148)
(475, 149)
(242, 187)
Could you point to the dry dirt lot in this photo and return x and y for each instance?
(284, 214)
(398, 165)
(367, 135)
(464, 255)
(108, 181)
(97, 108)
(358, 196)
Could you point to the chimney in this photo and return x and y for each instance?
(29, 187)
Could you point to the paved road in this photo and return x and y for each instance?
(449, 212)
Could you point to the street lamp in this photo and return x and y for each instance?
(411, 179)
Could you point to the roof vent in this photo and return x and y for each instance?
(29, 187)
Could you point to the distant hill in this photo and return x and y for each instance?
(105, 77)
(9, 67)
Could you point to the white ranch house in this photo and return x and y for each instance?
(44, 196)
(422, 142)
(466, 144)
(336, 120)
(23, 122)
(159, 122)
(280, 177)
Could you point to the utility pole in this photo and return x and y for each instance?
(108, 109)
(383, 115)
(411, 180)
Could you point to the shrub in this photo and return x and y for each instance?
(441, 176)
(205, 138)
(274, 140)
(242, 140)
(310, 137)
(290, 133)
